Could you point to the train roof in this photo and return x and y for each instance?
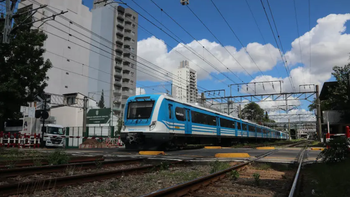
(166, 96)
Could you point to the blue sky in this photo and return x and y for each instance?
(239, 17)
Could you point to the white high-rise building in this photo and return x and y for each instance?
(70, 62)
(113, 67)
(185, 83)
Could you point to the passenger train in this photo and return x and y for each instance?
(158, 121)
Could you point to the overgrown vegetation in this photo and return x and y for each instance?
(12, 158)
(327, 179)
(263, 166)
(164, 165)
(58, 157)
(218, 166)
(234, 175)
(256, 177)
(337, 151)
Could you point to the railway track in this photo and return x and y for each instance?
(29, 162)
(193, 185)
(45, 184)
(59, 168)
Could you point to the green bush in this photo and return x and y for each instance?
(234, 175)
(256, 178)
(337, 151)
(58, 157)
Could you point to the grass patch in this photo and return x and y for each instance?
(218, 166)
(58, 157)
(262, 166)
(327, 179)
(183, 176)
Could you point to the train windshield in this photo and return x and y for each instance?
(140, 110)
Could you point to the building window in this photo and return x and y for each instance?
(66, 86)
(180, 114)
(67, 73)
(133, 33)
(133, 18)
(70, 100)
(68, 47)
(133, 25)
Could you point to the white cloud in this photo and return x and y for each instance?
(304, 116)
(329, 47)
(140, 91)
(155, 50)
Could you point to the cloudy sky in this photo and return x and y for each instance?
(321, 43)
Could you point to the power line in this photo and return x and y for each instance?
(110, 49)
(239, 40)
(310, 38)
(185, 45)
(102, 44)
(257, 25)
(281, 54)
(296, 20)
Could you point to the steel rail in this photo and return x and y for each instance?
(28, 162)
(44, 184)
(296, 177)
(61, 168)
(184, 188)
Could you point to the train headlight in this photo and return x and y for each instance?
(153, 125)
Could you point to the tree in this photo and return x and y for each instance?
(339, 95)
(22, 68)
(101, 103)
(253, 112)
(119, 126)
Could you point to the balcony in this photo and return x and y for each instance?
(120, 17)
(117, 83)
(119, 50)
(120, 26)
(118, 74)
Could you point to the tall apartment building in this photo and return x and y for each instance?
(113, 58)
(185, 83)
(69, 60)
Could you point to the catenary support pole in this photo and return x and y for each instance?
(318, 115)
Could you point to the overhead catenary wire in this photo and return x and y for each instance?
(185, 45)
(239, 40)
(281, 54)
(310, 65)
(297, 24)
(200, 43)
(261, 34)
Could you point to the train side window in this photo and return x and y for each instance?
(244, 126)
(239, 126)
(188, 115)
(170, 106)
(180, 114)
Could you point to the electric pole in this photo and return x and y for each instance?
(10, 7)
(84, 113)
(318, 115)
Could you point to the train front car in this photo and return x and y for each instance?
(141, 130)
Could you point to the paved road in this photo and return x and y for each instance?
(285, 155)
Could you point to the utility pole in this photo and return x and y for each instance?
(43, 129)
(8, 20)
(202, 98)
(318, 115)
(84, 113)
(239, 111)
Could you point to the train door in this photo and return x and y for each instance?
(218, 126)
(188, 123)
(171, 117)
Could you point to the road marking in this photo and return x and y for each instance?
(231, 155)
(151, 153)
(265, 148)
(317, 148)
(212, 147)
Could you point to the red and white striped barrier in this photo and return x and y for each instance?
(19, 140)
